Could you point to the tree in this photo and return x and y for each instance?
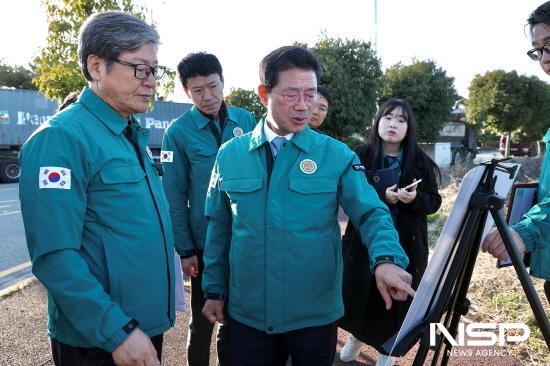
(57, 67)
(534, 128)
(509, 103)
(16, 76)
(351, 71)
(429, 91)
(247, 99)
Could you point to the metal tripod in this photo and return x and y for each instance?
(454, 289)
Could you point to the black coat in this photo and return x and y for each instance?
(365, 314)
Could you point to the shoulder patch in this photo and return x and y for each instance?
(214, 177)
(54, 177)
(166, 156)
(358, 167)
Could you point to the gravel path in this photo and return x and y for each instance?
(23, 339)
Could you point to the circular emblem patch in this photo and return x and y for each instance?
(376, 179)
(237, 131)
(308, 166)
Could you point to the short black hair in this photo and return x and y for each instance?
(286, 58)
(539, 15)
(321, 89)
(199, 64)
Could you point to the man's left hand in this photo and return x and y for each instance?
(393, 283)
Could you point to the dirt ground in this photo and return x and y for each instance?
(23, 339)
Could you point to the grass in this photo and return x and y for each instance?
(496, 294)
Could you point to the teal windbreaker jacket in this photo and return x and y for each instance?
(97, 226)
(273, 245)
(534, 229)
(188, 153)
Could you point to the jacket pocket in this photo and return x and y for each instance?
(244, 195)
(114, 287)
(313, 185)
(241, 185)
(123, 174)
(205, 152)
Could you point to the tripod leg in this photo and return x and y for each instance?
(460, 304)
(523, 276)
(422, 351)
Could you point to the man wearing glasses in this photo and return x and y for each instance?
(273, 241)
(532, 234)
(189, 149)
(96, 219)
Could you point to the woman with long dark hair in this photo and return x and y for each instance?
(392, 155)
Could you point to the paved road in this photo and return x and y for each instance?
(14, 257)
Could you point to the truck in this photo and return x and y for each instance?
(23, 111)
(462, 138)
(460, 135)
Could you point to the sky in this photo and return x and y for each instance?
(465, 38)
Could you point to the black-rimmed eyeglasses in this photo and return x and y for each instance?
(142, 71)
(536, 53)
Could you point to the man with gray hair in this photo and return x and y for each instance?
(96, 218)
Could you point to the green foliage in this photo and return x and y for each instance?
(57, 69)
(166, 85)
(509, 103)
(16, 76)
(247, 99)
(351, 71)
(534, 128)
(488, 138)
(429, 91)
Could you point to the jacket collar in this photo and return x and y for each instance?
(202, 120)
(547, 136)
(301, 140)
(102, 111)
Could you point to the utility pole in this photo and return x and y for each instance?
(376, 26)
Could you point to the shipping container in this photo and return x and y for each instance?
(22, 111)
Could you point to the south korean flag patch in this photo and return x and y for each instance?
(54, 177)
(166, 156)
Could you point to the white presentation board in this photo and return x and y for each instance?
(444, 247)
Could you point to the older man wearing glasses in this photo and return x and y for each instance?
(96, 219)
(532, 234)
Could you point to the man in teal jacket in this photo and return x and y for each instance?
(189, 149)
(532, 234)
(273, 246)
(96, 218)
